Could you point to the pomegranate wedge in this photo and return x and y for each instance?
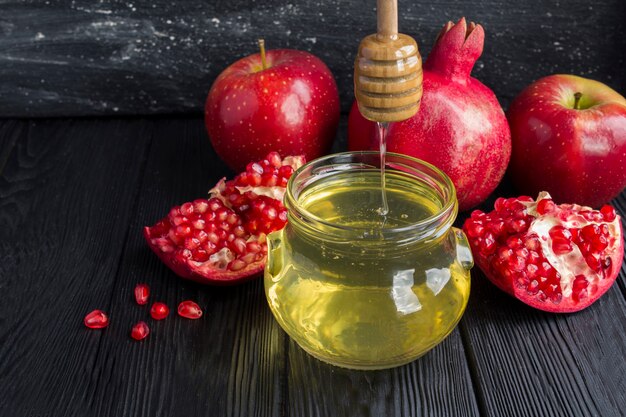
(221, 240)
(557, 258)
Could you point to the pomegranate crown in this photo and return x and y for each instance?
(456, 50)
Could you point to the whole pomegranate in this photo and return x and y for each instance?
(460, 126)
(557, 258)
(222, 240)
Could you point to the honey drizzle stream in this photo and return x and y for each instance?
(383, 129)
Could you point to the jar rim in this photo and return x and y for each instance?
(313, 171)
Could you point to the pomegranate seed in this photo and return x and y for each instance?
(517, 264)
(174, 212)
(237, 265)
(97, 319)
(475, 229)
(599, 243)
(142, 292)
(533, 257)
(183, 231)
(254, 166)
(159, 311)
(200, 255)
(504, 253)
(239, 231)
(253, 247)
(239, 245)
(140, 331)
(590, 231)
(214, 204)
(532, 270)
(274, 159)
(545, 206)
(200, 206)
(255, 179)
(189, 310)
(285, 171)
(514, 242)
(270, 213)
(561, 246)
(179, 220)
(608, 212)
(186, 209)
(199, 224)
(248, 258)
(269, 180)
(560, 232)
(191, 243)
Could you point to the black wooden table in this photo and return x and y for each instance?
(74, 196)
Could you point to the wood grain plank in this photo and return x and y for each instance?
(10, 132)
(229, 362)
(144, 57)
(528, 363)
(437, 384)
(63, 215)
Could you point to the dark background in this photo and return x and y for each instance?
(76, 192)
(160, 57)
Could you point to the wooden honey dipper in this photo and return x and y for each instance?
(388, 70)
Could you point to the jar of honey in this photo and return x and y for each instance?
(359, 289)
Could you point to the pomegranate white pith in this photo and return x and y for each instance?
(222, 240)
(558, 258)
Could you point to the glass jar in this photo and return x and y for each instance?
(359, 289)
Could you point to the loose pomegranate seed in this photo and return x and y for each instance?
(97, 319)
(142, 292)
(189, 310)
(140, 331)
(159, 311)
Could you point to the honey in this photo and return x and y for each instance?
(362, 290)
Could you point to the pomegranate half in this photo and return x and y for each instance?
(557, 258)
(221, 240)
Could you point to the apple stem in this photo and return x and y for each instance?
(262, 48)
(577, 97)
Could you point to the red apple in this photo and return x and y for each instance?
(569, 138)
(284, 101)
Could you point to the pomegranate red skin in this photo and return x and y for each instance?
(575, 155)
(182, 269)
(291, 107)
(460, 127)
